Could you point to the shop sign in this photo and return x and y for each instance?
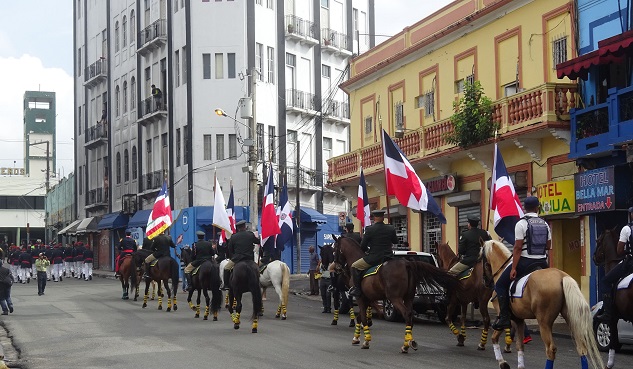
(12, 171)
(595, 190)
(556, 197)
(441, 185)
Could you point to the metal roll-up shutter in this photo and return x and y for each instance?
(308, 239)
(463, 214)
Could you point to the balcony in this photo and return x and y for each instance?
(596, 130)
(524, 118)
(301, 30)
(96, 136)
(301, 102)
(334, 42)
(151, 182)
(337, 112)
(152, 37)
(308, 179)
(96, 198)
(96, 73)
(149, 110)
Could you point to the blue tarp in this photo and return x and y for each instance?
(309, 215)
(113, 221)
(139, 219)
(204, 214)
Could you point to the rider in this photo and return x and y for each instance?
(202, 251)
(624, 268)
(126, 247)
(240, 247)
(160, 247)
(221, 251)
(349, 232)
(533, 239)
(381, 237)
(470, 245)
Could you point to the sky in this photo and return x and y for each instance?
(36, 54)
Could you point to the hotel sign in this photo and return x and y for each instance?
(595, 190)
(556, 197)
(12, 172)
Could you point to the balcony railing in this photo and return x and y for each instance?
(301, 101)
(150, 108)
(96, 197)
(301, 29)
(308, 178)
(337, 111)
(153, 36)
(96, 72)
(547, 103)
(335, 41)
(152, 181)
(96, 135)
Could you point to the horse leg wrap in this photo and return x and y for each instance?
(278, 310)
(408, 335)
(237, 318)
(352, 316)
(484, 337)
(453, 329)
(175, 303)
(497, 349)
(254, 324)
(508, 337)
(197, 310)
(215, 314)
(335, 314)
(357, 331)
(168, 303)
(206, 311)
(611, 358)
(160, 301)
(191, 306)
(369, 313)
(226, 299)
(366, 333)
(520, 360)
(145, 299)
(583, 362)
(234, 303)
(283, 309)
(549, 364)
(463, 332)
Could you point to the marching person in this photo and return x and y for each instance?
(79, 260)
(14, 260)
(201, 252)
(25, 266)
(349, 232)
(40, 265)
(624, 268)
(6, 281)
(126, 247)
(49, 254)
(88, 258)
(241, 247)
(470, 245)
(68, 260)
(533, 239)
(161, 245)
(380, 237)
(58, 263)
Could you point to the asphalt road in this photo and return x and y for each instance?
(80, 324)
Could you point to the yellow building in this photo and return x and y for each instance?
(407, 86)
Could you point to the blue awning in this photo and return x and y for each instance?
(139, 219)
(204, 215)
(309, 215)
(113, 221)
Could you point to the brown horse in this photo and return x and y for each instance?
(548, 292)
(475, 291)
(395, 280)
(165, 268)
(128, 277)
(606, 255)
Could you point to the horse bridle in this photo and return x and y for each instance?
(502, 267)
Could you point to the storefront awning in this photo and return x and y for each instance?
(139, 219)
(204, 215)
(113, 221)
(70, 229)
(309, 215)
(88, 225)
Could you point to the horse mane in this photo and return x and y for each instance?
(492, 244)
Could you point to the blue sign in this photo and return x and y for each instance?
(595, 190)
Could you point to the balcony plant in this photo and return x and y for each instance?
(472, 120)
(291, 28)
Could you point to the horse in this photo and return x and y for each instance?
(128, 277)
(165, 268)
(277, 275)
(547, 293)
(244, 278)
(475, 291)
(395, 280)
(606, 255)
(206, 278)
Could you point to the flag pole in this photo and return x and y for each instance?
(491, 180)
(215, 180)
(384, 168)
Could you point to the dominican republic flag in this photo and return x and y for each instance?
(160, 217)
(362, 208)
(220, 216)
(270, 226)
(230, 211)
(285, 221)
(404, 183)
(504, 200)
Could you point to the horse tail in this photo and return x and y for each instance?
(285, 283)
(256, 291)
(133, 280)
(423, 272)
(580, 322)
(175, 274)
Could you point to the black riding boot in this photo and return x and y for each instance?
(503, 321)
(188, 279)
(146, 275)
(357, 276)
(607, 309)
(227, 277)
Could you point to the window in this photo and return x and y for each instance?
(459, 86)
(219, 147)
(260, 140)
(79, 62)
(259, 63)
(79, 15)
(291, 60)
(511, 89)
(176, 6)
(79, 182)
(258, 2)
(118, 167)
(124, 31)
(269, 4)
(326, 71)
(134, 163)
(117, 100)
(178, 147)
(184, 65)
(206, 66)
(132, 93)
(368, 125)
(185, 144)
(148, 156)
(559, 50)
(399, 115)
(132, 27)
(291, 136)
(271, 65)
(116, 36)
(104, 43)
(325, 3)
(206, 142)
(429, 103)
(148, 81)
(231, 64)
(126, 165)
(164, 155)
(470, 79)
(271, 144)
(124, 97)
(79, 121)
(177, 57)
(219, 66)
(232, 147)
(355, 19)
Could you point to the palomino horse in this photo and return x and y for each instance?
(165, 268)
(474, 290)
(548, 292)
(244, 278)
(128, 277)
(205, 278)
(395, 280)
(606, 255)
(277, 275)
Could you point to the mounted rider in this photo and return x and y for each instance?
(624, 268)
(241, 247)
(202, 251)
(349, 232)
(381, 237)
(160, 247)
(127, 246)
(470, 245)
(533, 239)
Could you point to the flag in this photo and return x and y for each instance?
(504, 200)
(269, 224)
(285, 221)
(160, 217)
(404, 183)
(220, 217)
(362, 208)
(230, 211)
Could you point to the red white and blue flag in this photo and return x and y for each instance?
(504, 200)
(362, 208)
(160, 217)
(285, 220)
(230, 211)
(404, 183)
(269, 223)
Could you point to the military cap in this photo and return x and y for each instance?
(128, 232)
(378, 213)
(240, 223)
(473, 218)
(631, 209)
(531, 202)
(200, 233)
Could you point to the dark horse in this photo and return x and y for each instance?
(245, 278)
(397, 281)
(128, 277)
(206, 278)
(606, 255)
(474, 290)
(165, 268)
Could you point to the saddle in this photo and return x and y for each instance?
(519, 277)
(197, 269)
(466, 273)
(262, 268)
(371, 271)
(625, 282)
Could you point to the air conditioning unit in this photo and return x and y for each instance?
(130, 204)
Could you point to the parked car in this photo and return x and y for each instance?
(429, 301)
(603, 332)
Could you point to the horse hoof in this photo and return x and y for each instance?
(160, 307)
(144, 305)
(168, 310)
(236, 326)
(175, 307)
(283, 317)
(414, 345)
(135, 299)
(254, 330)
(277, 316)
(205, 318)
(197, 316)
(403, 350)
(365, 345)
(355, 341)
(226, 306)
(215, 318)
(351, 324)
(260, 314)
(481, 348)
(504, 365)
(507, 350)
(460, 344)
(370, 323)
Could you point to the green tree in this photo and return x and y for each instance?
(472, 120)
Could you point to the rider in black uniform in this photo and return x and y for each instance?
(161, 245)
(349, 233)
(241, 247)
(202, 251)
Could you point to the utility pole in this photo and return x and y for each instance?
(298, 208)
(252, 155)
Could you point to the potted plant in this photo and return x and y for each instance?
(472, 120)
(326, 41)
(291, 28)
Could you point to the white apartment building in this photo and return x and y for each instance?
(201, 54)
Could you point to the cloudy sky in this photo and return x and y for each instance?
(36, 53)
